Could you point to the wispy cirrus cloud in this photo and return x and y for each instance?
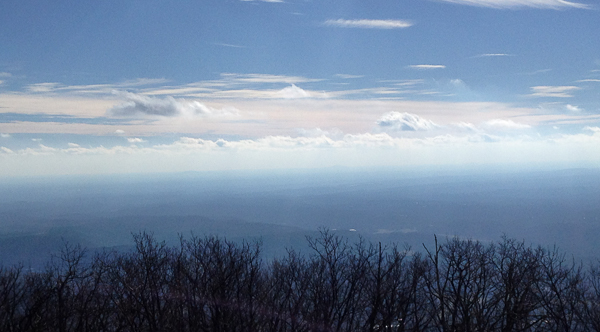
(42, 87)
(369, 24)
(426, 67)
(53, 87)
(234, 85)
(274, 1)
(265, 78)
(347, 76)
(490, 55)
(553, 91)
(229, 45)
(588, 80)
(536, 72)
(289, 92)
(513, 4)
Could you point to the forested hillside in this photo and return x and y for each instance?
(211, 284)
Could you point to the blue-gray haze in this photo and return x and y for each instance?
(279, 208)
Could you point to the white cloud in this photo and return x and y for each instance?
(318, 132)
(467, 126)
(553, 91)
(506, 124)
(141, 82)
(230, 45)
(573, 108)
(499, 4)
(592, 129)
(589, 80)
(536, 72)
(493, 55)
(263, 78)
(119, 132)
(322, 140)
(1, 82)
(290, 92)
(293, 92)
(283, 143)
(457, 82)
(427, 66)
(347, 76)
(43, 149)
(369, 24)
(409, 82)
(135, 140)
(36, 139)
(42, 87)
(167, 107)
(52, 87)
(581, 139)
(280, 151)
(3, 135)
(5, 74)
(397, 121)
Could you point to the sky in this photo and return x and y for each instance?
(96, 87)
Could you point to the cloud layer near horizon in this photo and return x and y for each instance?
(382, 149)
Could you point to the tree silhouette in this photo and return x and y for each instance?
(211, 284)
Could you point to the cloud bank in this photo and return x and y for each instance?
(321, 140)
(137, 105)
(320, 150)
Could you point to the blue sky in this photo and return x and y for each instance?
(154, 86)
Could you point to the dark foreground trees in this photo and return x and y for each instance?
(210, 284)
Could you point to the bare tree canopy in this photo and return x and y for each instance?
(211, 284)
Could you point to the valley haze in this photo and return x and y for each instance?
(279, 208)
(266, 120)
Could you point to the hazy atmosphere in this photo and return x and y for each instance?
(300, 165)
(396, 119)
(90, 87)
